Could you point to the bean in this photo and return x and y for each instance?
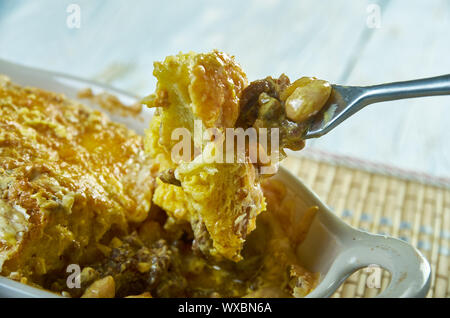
(102, 288)
(307, 99)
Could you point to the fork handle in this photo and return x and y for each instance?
(351, 99)
(432, 86)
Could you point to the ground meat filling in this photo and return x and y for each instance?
(262, 107)
(137, 268)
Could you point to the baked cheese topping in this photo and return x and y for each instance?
(68, 175)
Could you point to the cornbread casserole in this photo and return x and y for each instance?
(68, 178)
(221, 200)
(76, 188)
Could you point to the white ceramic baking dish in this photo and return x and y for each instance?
(331, 248)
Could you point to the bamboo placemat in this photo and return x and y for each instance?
(417, 211)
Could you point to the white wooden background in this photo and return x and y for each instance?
(118, 40)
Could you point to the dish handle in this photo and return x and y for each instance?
(410, 271)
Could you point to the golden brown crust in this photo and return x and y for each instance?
(72, 175)
(215, 89)
(219, 200)
(210, 84)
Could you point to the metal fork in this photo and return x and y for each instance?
(347, 100)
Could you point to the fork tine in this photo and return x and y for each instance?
(341, 105)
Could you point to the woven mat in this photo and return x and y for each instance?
(415, 211)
